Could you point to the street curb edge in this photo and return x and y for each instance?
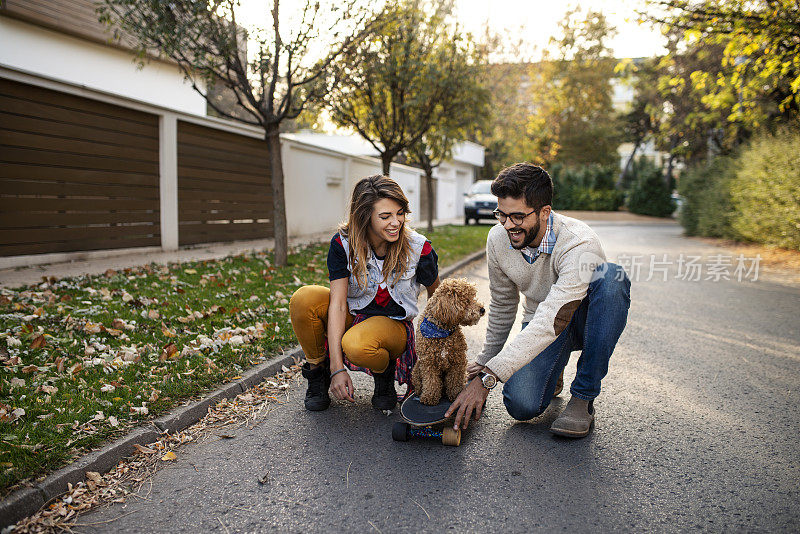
(27, 501)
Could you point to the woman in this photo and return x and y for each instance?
(377, 267)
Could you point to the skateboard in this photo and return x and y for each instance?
(426, 421)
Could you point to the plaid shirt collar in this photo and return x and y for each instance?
(548, 242)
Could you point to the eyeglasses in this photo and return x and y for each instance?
(516, 218)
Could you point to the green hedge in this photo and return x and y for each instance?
(590, 187)
(765, 192)
(707, 208)
(752, 196)
(649, 193)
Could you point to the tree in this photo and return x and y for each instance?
(575, 115)
(276, 84)
(397, 83)
(683, 123)
(503, 130)
(467, 102)
(637, 123)
(761, 45)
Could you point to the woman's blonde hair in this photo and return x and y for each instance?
(366, 193)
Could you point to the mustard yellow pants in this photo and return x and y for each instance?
(368, 344)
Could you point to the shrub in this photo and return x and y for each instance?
(765, 191)
(649, 194)
(590, 187)
(707, 208)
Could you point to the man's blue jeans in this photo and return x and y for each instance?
(595, 327)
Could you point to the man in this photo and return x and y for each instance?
(574, 300)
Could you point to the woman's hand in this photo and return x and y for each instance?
(473, 369)
(342, 387)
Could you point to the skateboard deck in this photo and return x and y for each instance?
(421, 420)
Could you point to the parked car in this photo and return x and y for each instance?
(479, 202)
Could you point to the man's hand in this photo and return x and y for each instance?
(468, 402)
(342, 387)
(473, 369)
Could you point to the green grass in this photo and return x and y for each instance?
(81, 354)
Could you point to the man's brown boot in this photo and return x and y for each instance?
(576, 420)
(559, 385)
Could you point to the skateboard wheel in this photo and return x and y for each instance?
(400, 431)
(451, 437)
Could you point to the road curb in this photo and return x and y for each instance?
(460, 264)
(27, 501)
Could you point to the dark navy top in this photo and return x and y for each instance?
(382, 304)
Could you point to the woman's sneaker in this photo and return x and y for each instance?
(319, 381)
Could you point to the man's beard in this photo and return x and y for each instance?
(530, 235)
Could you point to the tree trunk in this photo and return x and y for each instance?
(670, 164)
(386, 160)
(628, 164)
(429, 187)
(278, 201)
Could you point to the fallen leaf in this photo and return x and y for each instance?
(113, 421)
(153, 314)
(110, 272)
(94, 476)
(169, 456)
(49, 389)
(166, 331)
(143, 450)
(92, 328)
(169, 350)
(190, 271)
(38, 342)
(225, 436)
(29, 369)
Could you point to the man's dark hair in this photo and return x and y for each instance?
(525, 180)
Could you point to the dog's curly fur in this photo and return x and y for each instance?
(452, 304)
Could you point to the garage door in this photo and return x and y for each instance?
(224, 188)
(75, 174)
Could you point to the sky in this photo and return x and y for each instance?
(534, 21)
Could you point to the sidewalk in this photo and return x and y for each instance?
(100, 262)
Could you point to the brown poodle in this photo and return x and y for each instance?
(441, 347)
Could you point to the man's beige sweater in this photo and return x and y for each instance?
(553, 286)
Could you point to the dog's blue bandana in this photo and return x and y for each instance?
(432, 330)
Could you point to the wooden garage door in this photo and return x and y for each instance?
(75, 174)
(224, 189)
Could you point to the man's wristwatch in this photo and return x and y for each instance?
(488, 380)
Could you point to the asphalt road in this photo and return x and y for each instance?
(697, 429)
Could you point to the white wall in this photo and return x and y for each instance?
(469, 153)
(319, 183)
(315, 187)
(47, 53)
(408, 179)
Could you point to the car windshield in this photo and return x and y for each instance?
(481, 188)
